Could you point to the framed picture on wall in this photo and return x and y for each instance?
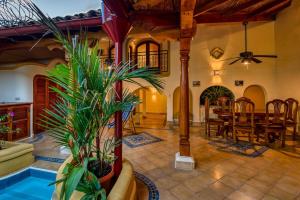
(196, 83)
(238, 83)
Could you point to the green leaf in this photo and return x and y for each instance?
(72, 181)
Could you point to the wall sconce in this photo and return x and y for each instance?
(216, 72)
(216, 79)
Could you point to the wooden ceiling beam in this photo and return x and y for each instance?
(209, 5)
(219, 18)
(278, 8)
(155, 20)
(240, 7)
(27, 45)
(264, 7)
(187, 15)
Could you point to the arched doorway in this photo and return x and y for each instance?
(152, 111)
(257, 94)
(213, 93)
(176, 105)
(43, 98)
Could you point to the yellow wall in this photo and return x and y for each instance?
(287, 38)
(230, 37)
(176, 102)
(257, 95)
(152, 101)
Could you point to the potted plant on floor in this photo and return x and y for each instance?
(87, 103)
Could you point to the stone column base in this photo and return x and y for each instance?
(184, 162)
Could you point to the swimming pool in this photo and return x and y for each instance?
(30, 184)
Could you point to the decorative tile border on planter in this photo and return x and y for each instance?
(153, 191)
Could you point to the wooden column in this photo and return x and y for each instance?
(187, 31)
(118, 115)
(184, 147)
(117, 26)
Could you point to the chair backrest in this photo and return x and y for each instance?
(279, 109)
(243, 111)
(292, 111)
(206, 104)
(125, 116)
(224, 103)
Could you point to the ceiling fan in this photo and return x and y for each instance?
(248, 57)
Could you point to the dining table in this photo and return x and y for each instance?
(259, 114)
(226, 116)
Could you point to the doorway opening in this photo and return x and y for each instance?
(43, 98)
(257, 94)
(152, 112)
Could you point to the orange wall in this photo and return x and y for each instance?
(152, 101)
(257, 95)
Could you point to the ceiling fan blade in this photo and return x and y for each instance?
(265, 56)
(235, 61)
(228, 59)
(256, 60)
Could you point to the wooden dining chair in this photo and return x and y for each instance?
(224, 103)
(243, 119)
(209, 121)
(225, 108)
(276, 115)
(292, 113)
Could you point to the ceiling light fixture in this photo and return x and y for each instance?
(246, 61)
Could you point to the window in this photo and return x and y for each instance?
(148, 54)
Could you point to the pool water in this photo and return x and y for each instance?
(29, 184)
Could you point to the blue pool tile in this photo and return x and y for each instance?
(42, 174)
(30, 184)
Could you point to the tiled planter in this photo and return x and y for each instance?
(124, 188)
(14, 157)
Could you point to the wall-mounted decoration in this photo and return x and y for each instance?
(238, 83)
(217, 52)
(196, 83)
(216, 72)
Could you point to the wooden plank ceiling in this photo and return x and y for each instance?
(161, 15)
(166, 12)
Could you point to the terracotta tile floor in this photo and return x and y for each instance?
(218, 175)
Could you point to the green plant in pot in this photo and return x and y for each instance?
(87, 103)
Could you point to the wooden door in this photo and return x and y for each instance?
(44, 98)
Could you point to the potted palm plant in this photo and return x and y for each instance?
(87, 103)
